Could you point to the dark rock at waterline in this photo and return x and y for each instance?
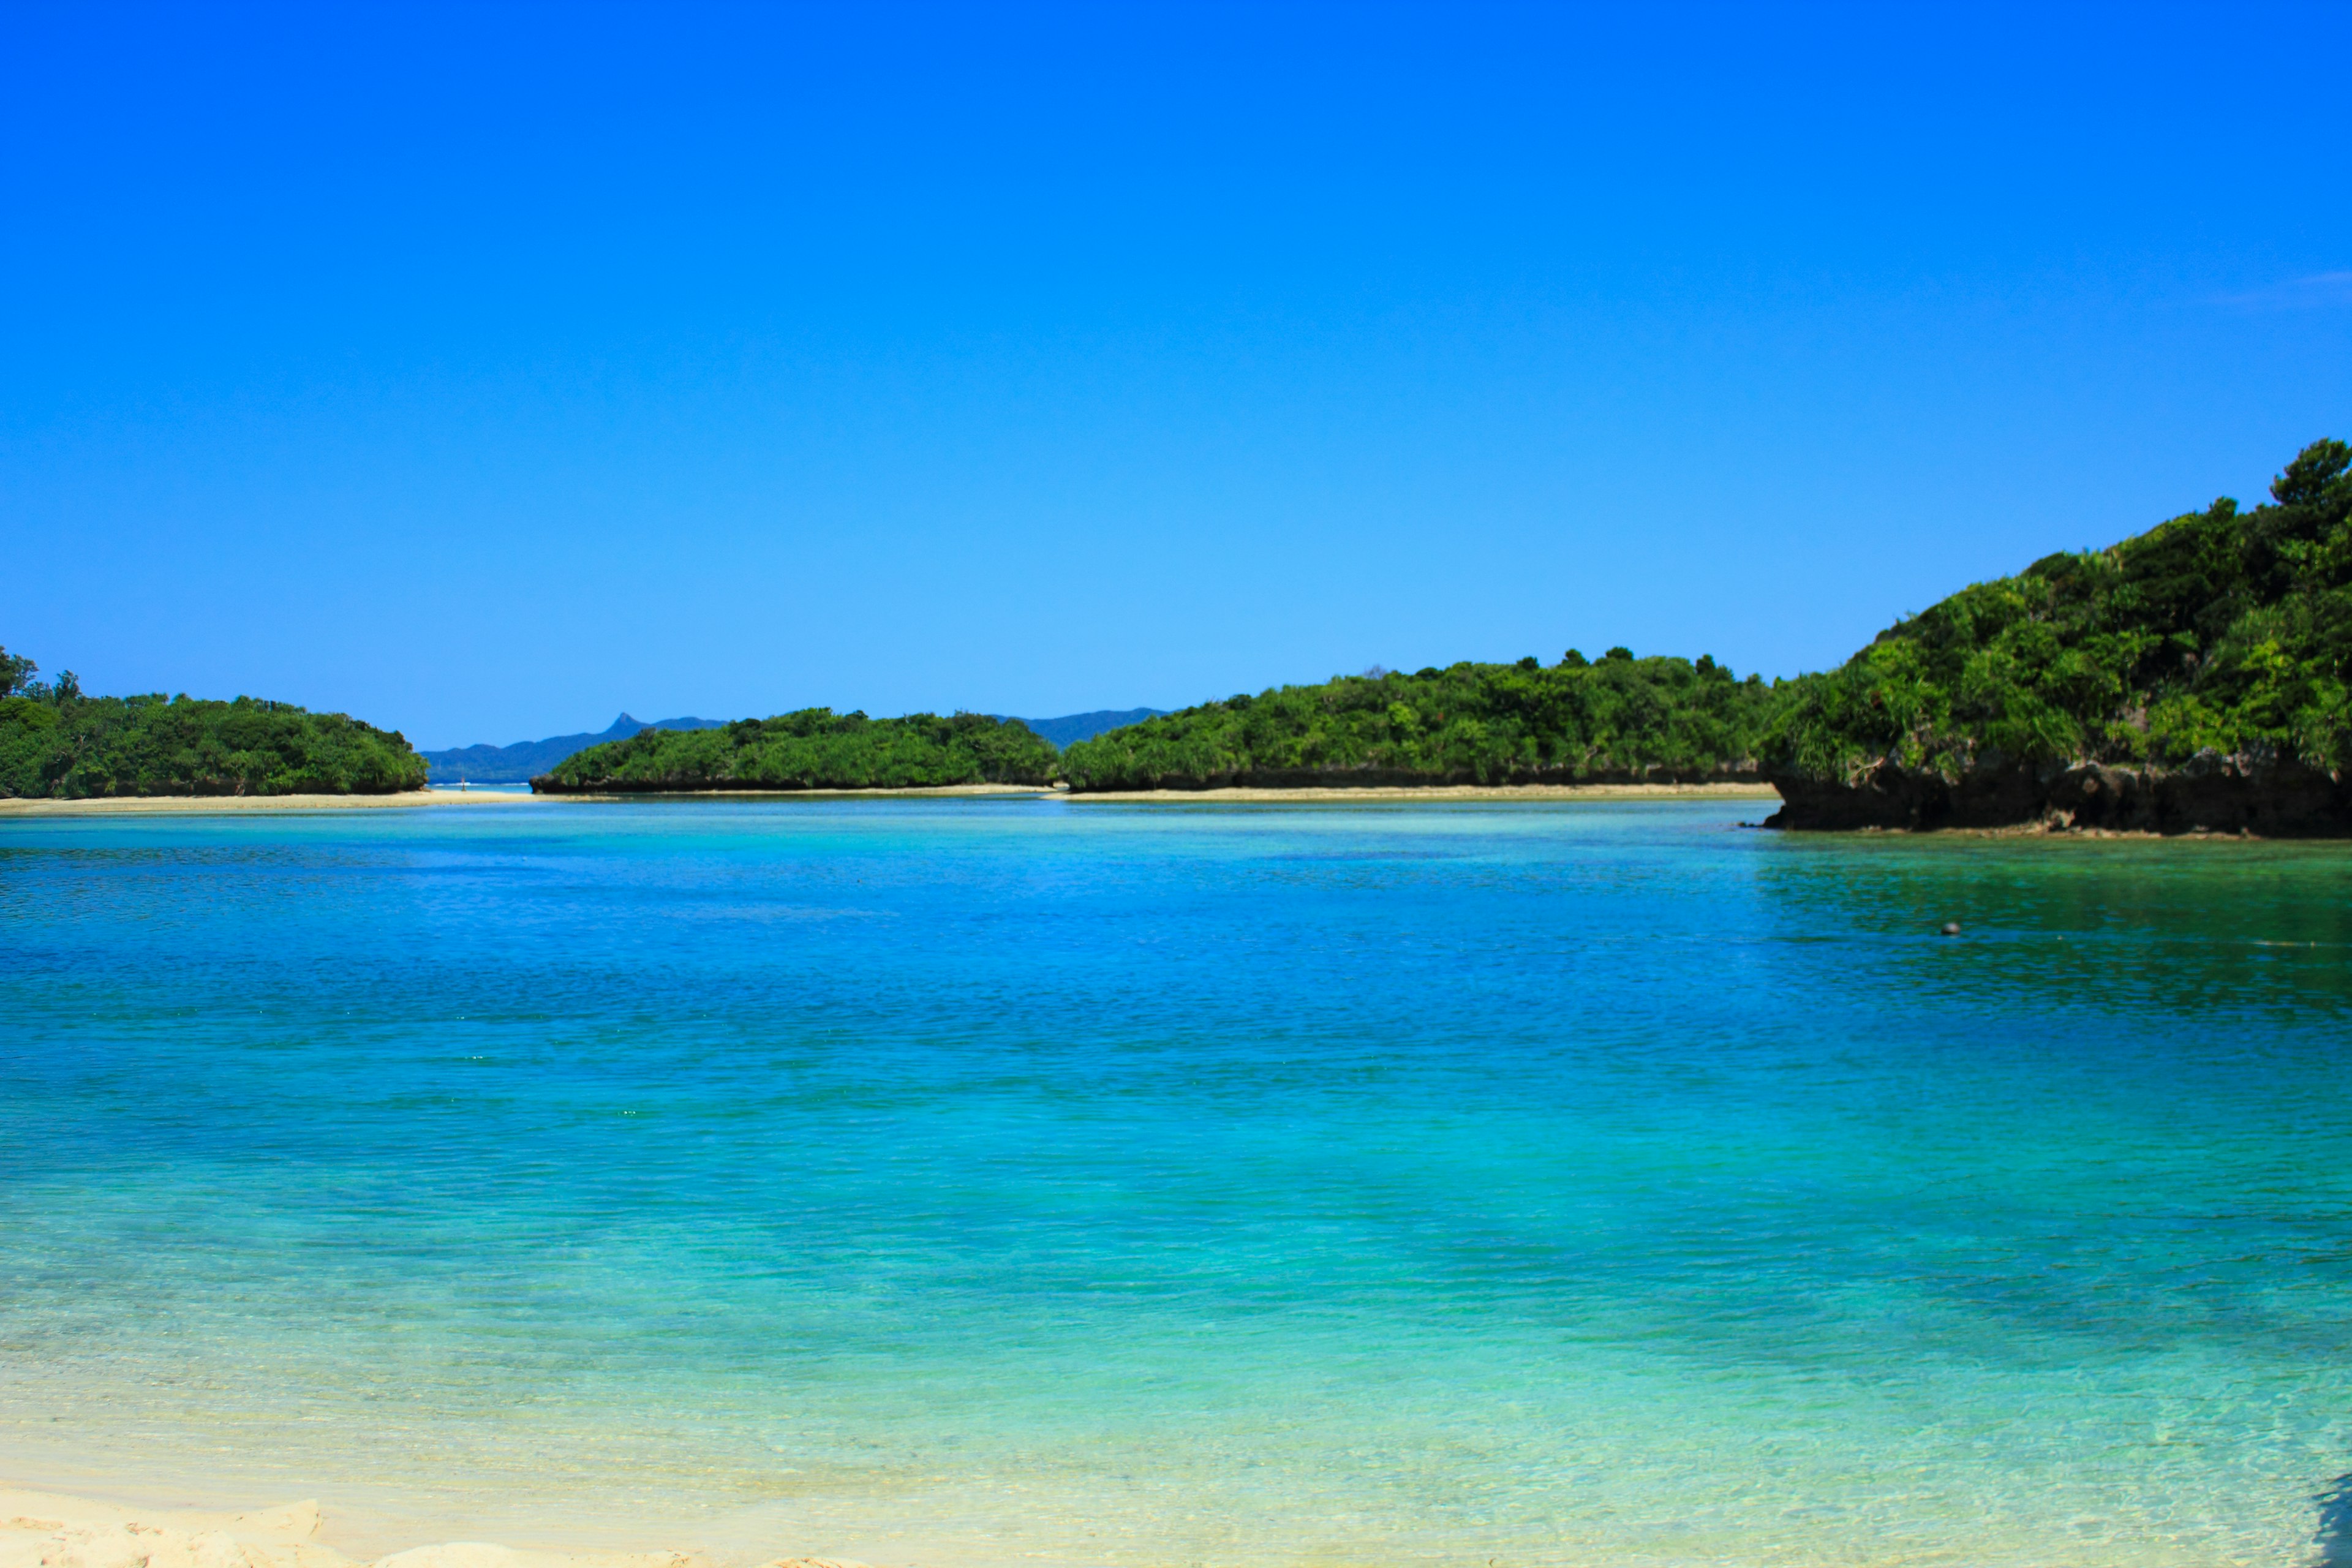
(2210, 792)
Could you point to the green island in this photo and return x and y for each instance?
(57, 743)
(2193, 677)
(813, 749)
(1617, 720)
(2196, 677)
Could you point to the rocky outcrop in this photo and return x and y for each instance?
(2210, 792)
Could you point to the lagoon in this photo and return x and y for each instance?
(1040, 1180)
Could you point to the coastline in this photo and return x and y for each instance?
(225, 804)
(2061, 830)
(53, 1530)
(240, 805)
(1327, 794)
(917, 792)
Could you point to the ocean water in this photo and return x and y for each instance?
(1038, 1182)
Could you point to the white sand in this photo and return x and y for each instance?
(1368, 793)
(224, 804)
(240, 805)
(926, 790)
(44, 1530)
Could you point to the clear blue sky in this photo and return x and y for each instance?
(483, 371)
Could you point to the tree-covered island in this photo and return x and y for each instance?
(2193, 677)
(57, 743)
(2198, 676)
(1617, 720)
(815, 749)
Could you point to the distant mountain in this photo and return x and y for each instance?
(526, 760)
(1072, 728)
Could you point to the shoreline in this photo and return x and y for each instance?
(241, 804)
(1320, 795)
(916, 792)
(1325, 793)
(56, 1529)
(2066, 831)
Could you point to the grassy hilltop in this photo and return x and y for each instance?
(2216, 646)
(813, 749)
(57, 743)
(1575, 721)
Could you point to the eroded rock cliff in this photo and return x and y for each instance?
(2210, 793)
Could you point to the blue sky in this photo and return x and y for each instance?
(483, 371)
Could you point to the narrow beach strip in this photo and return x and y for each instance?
(1367, 793)
(239, 805)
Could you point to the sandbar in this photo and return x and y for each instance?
(1374, 792)
(916, 792)
(218, 804)
(221, 805)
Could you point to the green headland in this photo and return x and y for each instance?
(2191, 676)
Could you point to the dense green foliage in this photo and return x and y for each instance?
(2221, 630)
(1470, 723)
(813, 749)
(56, 742)
(16, 673)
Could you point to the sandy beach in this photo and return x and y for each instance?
(215, 805)
(1364, 795)
(1377, 793)
(48, 1530)
(241, 804)
(938, 791)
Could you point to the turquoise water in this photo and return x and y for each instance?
(980, 1182)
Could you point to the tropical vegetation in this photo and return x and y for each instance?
(2221, 631)
(56, 742)
(813, 749)
(1577, 720)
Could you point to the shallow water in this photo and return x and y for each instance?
(996, 1181)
